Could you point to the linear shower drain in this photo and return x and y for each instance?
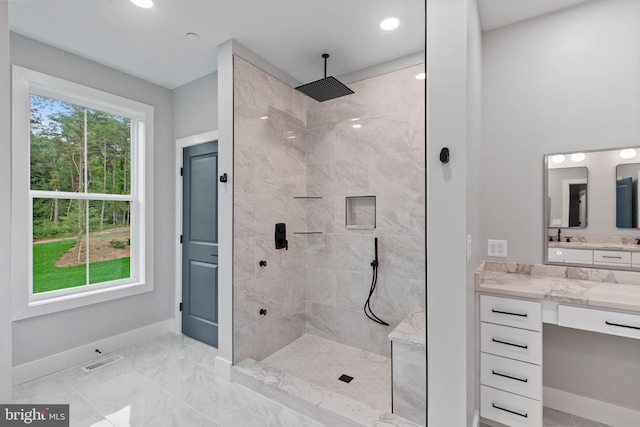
(104, 362)
(346, 378)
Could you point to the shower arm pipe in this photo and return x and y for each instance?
(325, 56)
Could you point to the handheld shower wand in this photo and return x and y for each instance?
(367, 305)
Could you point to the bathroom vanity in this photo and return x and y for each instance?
(514, 300)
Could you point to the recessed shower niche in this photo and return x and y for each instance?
(360, 212)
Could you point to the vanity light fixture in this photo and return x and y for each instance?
(356, 126)
(146, 4)
(628, 153)
(390, 24)
(355, 119)
(578, 157)
(421, 76)
(264, 117)
(557, 159)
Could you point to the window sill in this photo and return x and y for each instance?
(25, 309)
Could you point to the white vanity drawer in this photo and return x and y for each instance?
(510, 375)
(607, 322)
(509, 408)
(635, 259)
(511, 312)
(612, 257)
(510, 342)
(575, 256)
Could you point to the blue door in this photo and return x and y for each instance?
(624, 203)
(200, 243)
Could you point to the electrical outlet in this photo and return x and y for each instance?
(497, 248)
(468, 247)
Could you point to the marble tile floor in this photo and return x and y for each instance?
(165, 381)
(322, 362)
(554, 418)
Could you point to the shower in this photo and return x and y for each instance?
(326, 88)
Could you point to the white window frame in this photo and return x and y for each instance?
(25, 303)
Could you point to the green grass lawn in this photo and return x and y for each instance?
(48, 277)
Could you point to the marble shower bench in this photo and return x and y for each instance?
(409, 361)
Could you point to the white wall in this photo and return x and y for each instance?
(5, 208)
(447, 213)
(474, 189)
(563, 82)
(195, 106)
(46, 335)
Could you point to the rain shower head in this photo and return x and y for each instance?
(325, 89)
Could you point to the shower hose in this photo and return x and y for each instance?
(367, 305)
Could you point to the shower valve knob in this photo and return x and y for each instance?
(263, 263)
(263, 312)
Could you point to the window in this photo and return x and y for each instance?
(80, 185)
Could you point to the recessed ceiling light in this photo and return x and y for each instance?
(421, 76)
(390, 24)
(557, 159)
(578, 157)
(193, 36)
(628, 153)
(143, 3)
(356, 126)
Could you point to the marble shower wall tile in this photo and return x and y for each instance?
(321, 144)
(277, 330)
(339, 177)
(257, 89)
(321, 286)
(393, 92)
(379, 335)
(384, 157)
(409, 391)
(270, 169)
(401, 173)
(344, 326)
(244, 343)
(244, 265)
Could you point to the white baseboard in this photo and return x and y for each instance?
(586, 407)
(223, 368)
(50, 364)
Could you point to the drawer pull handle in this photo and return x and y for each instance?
(622, 326)
(510, 343)
(524, 380)
(612, 257)
(525, 415)
(493, 310)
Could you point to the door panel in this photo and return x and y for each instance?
(200, 243)
(203, 296)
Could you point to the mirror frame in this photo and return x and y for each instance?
(622, 233)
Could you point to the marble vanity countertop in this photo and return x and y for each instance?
(595, 245)
(584, 286)
(412, 330)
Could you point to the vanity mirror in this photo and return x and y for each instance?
(592, 208)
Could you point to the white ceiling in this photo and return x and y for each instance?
(499, 13)
(291, 34)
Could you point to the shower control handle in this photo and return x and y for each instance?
(263, 312)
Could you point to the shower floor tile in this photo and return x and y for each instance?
(322, 362)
